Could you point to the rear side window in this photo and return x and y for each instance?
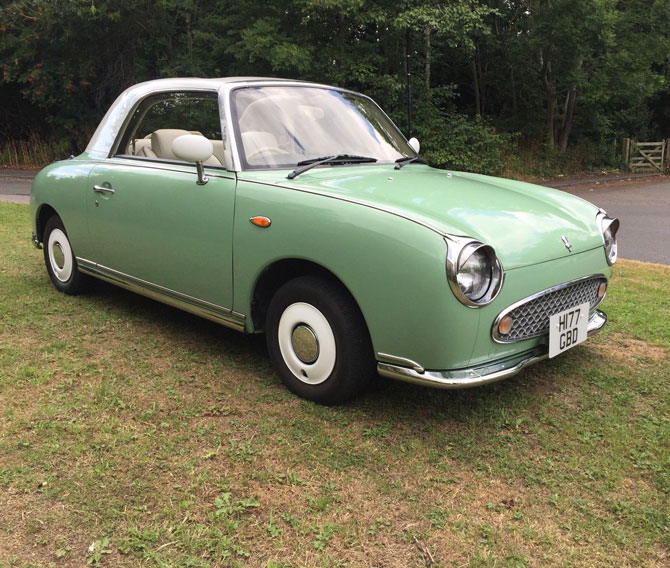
(159, 119)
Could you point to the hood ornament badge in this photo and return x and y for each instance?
(566, 242)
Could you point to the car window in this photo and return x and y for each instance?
(160, 119)
(281, 126)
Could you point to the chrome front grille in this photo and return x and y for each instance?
(531, 315)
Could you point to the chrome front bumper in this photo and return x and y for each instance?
(482, 375)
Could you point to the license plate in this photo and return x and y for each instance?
(568, 328)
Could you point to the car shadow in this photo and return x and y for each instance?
(384, 398)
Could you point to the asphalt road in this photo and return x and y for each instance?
(641, 204)
(643, 207)
(15, 185)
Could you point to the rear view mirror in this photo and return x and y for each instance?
(196, 149)
(414, 144)
(192, 148)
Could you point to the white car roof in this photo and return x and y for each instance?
(103, 139)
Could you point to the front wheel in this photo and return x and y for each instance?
(318, 341)
(60, 260)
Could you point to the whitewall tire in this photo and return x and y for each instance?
(59, 258)
(307, 343)
(60, 255)
(318, 341)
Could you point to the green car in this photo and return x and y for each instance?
(300, 211)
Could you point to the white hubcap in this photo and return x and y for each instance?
(60, 255)
(307, 343)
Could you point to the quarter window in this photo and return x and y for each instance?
(160, 119)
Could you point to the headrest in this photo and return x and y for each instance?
(161, 142)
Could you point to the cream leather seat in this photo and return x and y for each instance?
(161, 146)
(135, 147)
(219, 150)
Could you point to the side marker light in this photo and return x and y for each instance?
(261, 221)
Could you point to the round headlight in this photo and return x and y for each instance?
(609, 228)
(475, 274)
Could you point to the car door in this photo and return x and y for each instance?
(160, 227)
(151, 224)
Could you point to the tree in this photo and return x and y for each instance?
(70, 58)
(555, 70)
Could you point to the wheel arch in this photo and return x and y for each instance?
(44, 213)
(276, 275)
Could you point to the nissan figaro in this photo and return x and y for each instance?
(300, 210)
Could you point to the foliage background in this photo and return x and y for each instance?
(562, 79)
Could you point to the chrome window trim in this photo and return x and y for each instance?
(227, 130)
(455, 247)
(236, 134)
(159, 165)
(120, 112)
(494, 328)
(126, 122)
(202, 308)
(106, 136)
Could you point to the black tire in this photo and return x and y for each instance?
(60, 260)
(318, 341)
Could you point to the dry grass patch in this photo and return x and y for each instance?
(34, 531)
(620, 347)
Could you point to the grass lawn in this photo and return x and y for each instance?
(132, 434)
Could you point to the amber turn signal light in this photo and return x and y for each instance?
(602, 289)
(261, 221)
(505, 325)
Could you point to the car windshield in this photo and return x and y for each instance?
(282, 126)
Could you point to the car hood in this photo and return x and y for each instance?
(525, 223)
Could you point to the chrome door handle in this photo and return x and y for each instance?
(101, 189)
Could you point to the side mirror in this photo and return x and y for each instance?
(196, 149)
(414, 144)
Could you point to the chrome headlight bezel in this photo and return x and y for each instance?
(609, 227)
(459, 251)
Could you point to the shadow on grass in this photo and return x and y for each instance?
(203, 335)
(384, 399)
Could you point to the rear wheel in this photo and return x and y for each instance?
(318, 341)
(60, 260)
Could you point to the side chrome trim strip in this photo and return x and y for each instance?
(463, 378)
(401, 361)
(494, 328)
(207, 310)
(482, 375)
(355, 202)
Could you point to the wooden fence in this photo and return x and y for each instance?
(647, 156)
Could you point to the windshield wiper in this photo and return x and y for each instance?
(400, 162)
(336, 159)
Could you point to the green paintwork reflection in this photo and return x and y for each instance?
(523, 222)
